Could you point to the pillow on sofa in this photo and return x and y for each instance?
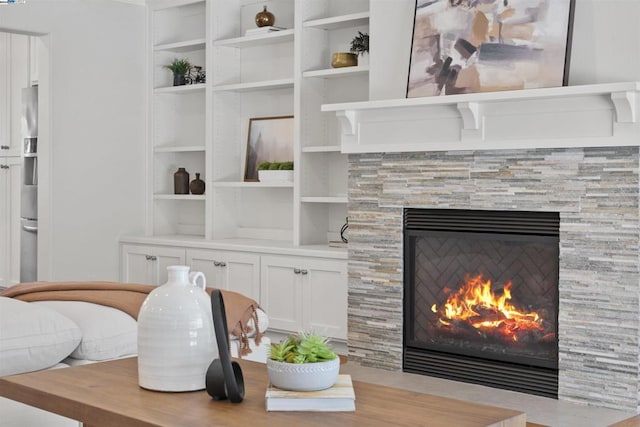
(33, 337)
(107, 333)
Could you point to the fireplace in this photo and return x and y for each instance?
(481, 297)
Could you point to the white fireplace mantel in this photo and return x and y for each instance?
(569, 116)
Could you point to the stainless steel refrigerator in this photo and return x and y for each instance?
(29, 191)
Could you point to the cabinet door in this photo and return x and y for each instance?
(325, 297)
(241, 272)
(148, 264)
(208, 262)
(281, 293)
(10, 226)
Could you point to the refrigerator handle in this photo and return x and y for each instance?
(29, 228)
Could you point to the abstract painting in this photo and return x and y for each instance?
(471, 46)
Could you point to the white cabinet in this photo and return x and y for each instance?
(234, 271)
(302, 294)
(148, 264)
(10, 181)
(14, 61)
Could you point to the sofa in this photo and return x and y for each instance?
(54, 334)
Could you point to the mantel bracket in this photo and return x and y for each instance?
(625, 106)
(347, 120)
(470, 112)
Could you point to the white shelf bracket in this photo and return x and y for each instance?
(470, 112)
(347, 120)
(625, 106)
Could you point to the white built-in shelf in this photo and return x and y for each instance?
(530, 118)
(252, 184)
(273, 37)
(251, 86)
(321, 149)
(183, 46)
(324, 199)
(331, 73)
(179, 149)
(337, 22)
(178, 197)
(181, 89)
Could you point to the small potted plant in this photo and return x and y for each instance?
(275, 171)
(303, 362)
(359, 46)
(180, 69)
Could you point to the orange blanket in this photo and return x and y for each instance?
(128, 297)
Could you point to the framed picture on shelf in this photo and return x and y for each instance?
(270, 139)
(464, 46)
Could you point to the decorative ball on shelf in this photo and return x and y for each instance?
(265, 18)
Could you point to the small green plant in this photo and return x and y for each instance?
(286, 166)
(274, 166)
(360, 44)
(302, 348)
(264, 166)
(179, 67)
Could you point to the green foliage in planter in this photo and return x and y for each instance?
(274, 166)
(286, 166)
(360, 44)
(302, 348)
(263, 166)
(179, 67)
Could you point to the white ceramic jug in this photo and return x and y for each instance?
(176, 339)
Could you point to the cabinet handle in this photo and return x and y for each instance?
(223, 264)
(303, 271)
(4, 147)
(216, 263)
(151, 257)
(4, 166)
(296, 271)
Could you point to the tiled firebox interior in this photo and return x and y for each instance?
(595, 190)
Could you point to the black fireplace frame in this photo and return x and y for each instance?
(523, 377)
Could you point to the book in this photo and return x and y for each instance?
(338, 398)
(262, 30)
(337, 244)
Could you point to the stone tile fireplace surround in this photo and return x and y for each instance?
(594, 187)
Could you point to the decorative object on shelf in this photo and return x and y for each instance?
(196, 75)
(176, 337)
(344, 59)
(303, 362)
(181, 181)
(360, 44)
(197, 185)
(180, 69)
(464, 47)
(343, 231)
(269, 138)
(275, 172)
(265, 18)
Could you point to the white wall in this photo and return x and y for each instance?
(606, 36)
(96, 140)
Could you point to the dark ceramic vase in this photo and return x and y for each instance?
(197, 185)
(181, 181)
(265, 18)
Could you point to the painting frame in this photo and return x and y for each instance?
(481, 55)
(268, 139)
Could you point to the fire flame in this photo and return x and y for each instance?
(477, 305)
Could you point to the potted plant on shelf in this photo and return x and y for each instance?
(359, 46)
(180, 68)
(303, 362)
(275, 171)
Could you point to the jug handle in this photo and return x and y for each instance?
(194, 276)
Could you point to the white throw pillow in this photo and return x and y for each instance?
(107, 333)
(33, 337)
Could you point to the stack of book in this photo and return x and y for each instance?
(262, 30)
(339, 398)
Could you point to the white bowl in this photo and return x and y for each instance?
(303, 376)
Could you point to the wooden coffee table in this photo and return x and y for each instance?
(107, 394)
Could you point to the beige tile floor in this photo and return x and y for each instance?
(541, 410)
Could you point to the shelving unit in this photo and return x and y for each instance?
(177, 128)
